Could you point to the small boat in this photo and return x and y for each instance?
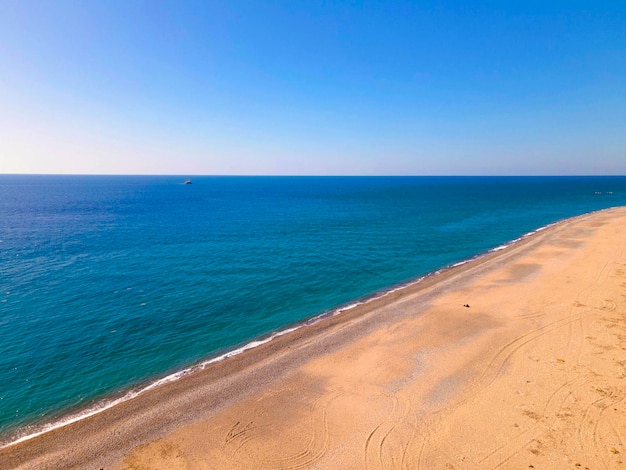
(187, 181)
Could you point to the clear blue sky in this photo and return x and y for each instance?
(313, 87)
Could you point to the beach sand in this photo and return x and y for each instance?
(531, 375)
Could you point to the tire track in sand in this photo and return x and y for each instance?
(379, 452)
(587, 429)
(542, 424)
(245, 438)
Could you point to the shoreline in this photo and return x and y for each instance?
(222, 389)
(22, 434)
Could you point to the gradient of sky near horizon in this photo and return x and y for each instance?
(313, 87)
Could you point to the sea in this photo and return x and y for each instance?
(111, 285)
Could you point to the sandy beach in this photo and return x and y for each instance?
(516, 360)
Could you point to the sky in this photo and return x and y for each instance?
(313, 87)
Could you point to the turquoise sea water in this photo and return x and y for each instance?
(110, 282)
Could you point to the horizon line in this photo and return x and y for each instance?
(234, 175)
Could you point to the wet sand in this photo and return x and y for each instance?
(531, 375)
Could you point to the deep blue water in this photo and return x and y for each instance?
(109, 281)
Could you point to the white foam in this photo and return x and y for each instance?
(349, 307)
(460, 263)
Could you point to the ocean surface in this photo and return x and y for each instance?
(110, 283)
